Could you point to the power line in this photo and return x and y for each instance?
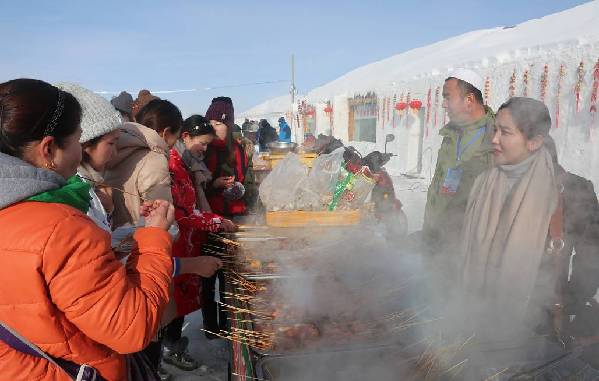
(202, 89)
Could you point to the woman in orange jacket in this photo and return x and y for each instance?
(63, 288)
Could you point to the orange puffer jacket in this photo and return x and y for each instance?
(63, 289)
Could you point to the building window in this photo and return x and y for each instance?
(362, 118)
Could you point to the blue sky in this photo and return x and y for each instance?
(164, 45)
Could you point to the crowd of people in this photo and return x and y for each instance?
(104, 207)
(262, 133)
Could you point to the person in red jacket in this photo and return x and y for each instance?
(193, 228)
(165, 118)
(228, 163)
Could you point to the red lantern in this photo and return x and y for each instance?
(400, 106)
(310, 113)
(416, 104)
(328, 109)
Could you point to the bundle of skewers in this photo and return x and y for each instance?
(243, 258)
(250, 338)
(440, 360)
(263, 319)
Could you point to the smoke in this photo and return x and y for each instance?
(354, 305)
(351, 306)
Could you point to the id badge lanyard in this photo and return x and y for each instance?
(454, 175)
(460, 151)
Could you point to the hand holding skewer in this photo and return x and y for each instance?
(203, 266)
(158, 213)
(228, 226)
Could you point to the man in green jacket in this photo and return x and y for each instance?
(465, 152)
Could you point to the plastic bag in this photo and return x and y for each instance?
(357, 193)
(278, 190)
(351, 190)
(315, 192)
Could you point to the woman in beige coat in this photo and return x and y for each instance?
(506, 224)
(140, 170)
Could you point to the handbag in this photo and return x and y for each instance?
(140, 369)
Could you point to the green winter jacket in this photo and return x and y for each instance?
(444, 214)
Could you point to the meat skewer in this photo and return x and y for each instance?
(255, 313)
(224, 240)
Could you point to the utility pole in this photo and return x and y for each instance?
(292, 90)
(293, 79)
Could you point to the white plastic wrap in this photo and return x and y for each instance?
(278, 190)
(315, 192)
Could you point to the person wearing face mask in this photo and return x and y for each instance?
(507, 220)
(465, 152)
(59, 260)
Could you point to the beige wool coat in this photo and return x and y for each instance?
(139, 168)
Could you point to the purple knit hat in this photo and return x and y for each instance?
(221, 110)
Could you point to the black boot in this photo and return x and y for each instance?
(176, 354)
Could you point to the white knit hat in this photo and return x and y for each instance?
(98, 116)
(469, 76)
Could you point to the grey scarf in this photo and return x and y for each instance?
(199, 173)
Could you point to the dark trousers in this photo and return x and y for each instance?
(214, 316)
(169, 334)
(172, 332)
(153, 353)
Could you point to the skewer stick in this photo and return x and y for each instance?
(243, 282)
(217, 253)
(253, 298)
(406, 326)
(262, 314)
(248, 377)
(101, 184)
(248, 286)
(243, 286)
(466, 342)
(220, 253)
(256, 333)
(496, 374)
(456, 365)
(252, 227)
(216, 248)
(224, 240)
(238, 338)
(263, 346)
(251, 338)
(240, 320)
(246, 299)
(248, 339)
